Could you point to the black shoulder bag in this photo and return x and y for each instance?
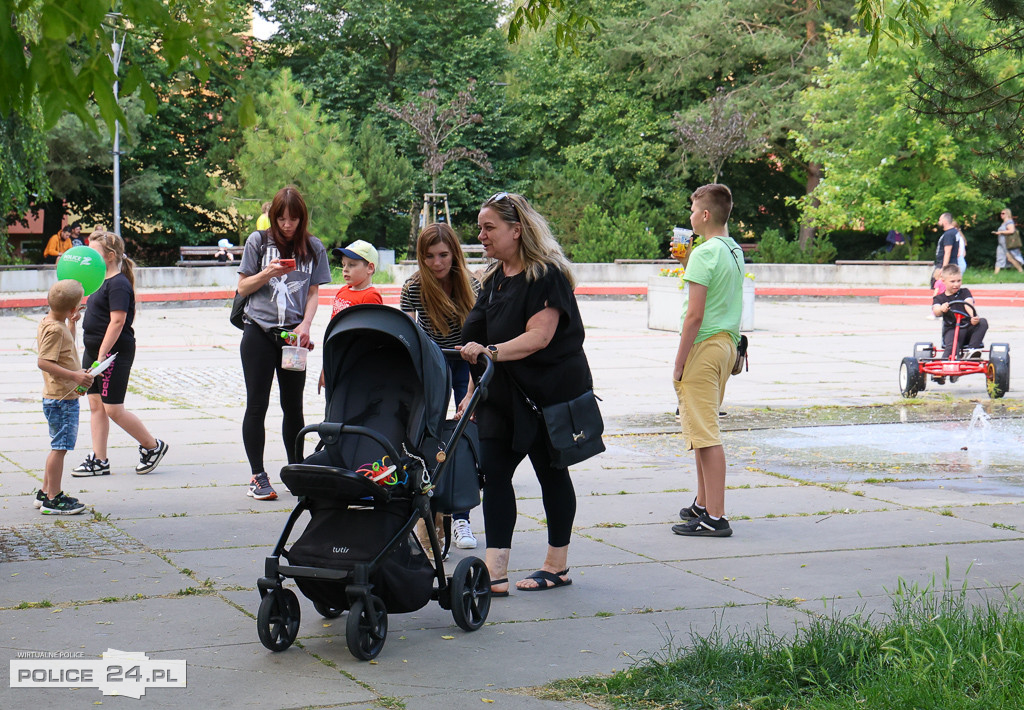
(574, 428)
(239, 303)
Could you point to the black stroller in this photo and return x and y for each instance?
(386, 459)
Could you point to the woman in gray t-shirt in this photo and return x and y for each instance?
(281, 272)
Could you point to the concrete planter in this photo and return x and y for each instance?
(665, 301)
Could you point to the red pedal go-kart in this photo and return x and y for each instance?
(994, 363)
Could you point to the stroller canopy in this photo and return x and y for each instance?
(366, 328)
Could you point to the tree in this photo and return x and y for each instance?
(389, 181)
(716, 137)
(293, 142)
(435, 126)
(22, 164)
(56, 51)
(885, 167)
(973, 80)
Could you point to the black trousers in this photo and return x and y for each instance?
(261, 358)
(558, 495)
(973, 335)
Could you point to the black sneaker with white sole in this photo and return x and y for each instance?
(704, 526)
(92, 466)
(40, 497)
(61, 504)
(150, 458)
(692, 511)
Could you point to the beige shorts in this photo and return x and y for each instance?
(702, 389)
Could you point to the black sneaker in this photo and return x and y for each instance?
(61, 504)
(940, 380)
(92, 466)
(260, 489)
(704, 526)
(40, 497)
(149, 458)
(692, 511)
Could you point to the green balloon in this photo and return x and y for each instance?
(84, 265)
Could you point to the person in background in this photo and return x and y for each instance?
(1007, 236)
(972, 330)
(439, 297)
(281, 271)
(263, 221)
(223, 255)
(945, 250)
(77, 240)
(57, 245)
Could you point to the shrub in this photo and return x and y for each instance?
(602, 238)
(773, 248)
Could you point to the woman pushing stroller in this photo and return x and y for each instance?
(527, 321)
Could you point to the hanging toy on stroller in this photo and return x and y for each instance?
(386, 460)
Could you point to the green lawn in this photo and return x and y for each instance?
(934, 651)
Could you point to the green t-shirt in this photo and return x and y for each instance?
(718, 264)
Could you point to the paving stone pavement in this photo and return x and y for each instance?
(167, 563)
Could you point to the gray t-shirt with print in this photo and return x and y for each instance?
(281, 302)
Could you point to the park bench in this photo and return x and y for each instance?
(203, 256)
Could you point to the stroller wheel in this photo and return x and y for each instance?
(278, 619)
(367, 627)
(471, 594)
(328, 612)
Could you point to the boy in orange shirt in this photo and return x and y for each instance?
(358, 264)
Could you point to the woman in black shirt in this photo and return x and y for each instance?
(527, 321)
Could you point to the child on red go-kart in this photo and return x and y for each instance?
(958, 300)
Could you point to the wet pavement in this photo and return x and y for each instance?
(837, 488)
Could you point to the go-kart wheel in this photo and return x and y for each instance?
(471, 594)
(367, 627)
(328, 612)
(278, 619)
(911, 377)
(998, 372)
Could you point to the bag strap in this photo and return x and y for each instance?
(732, 252)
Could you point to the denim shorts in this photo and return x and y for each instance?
(62, 416)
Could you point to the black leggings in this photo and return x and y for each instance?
(261, 358)
(500, 461)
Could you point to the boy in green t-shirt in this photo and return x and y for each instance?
(707, 351)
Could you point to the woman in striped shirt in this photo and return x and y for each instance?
(439, 297)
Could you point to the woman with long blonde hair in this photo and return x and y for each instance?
(527, 321)
(107, 330)
(439, 297)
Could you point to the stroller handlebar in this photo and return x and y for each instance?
(330, 431)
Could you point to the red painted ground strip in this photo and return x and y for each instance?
(390, 293)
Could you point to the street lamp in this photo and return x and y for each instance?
(115, 60)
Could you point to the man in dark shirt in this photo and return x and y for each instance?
(972, 331)
(945, 249)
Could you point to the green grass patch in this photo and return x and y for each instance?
(933, 650)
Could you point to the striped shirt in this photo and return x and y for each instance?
(412, 302)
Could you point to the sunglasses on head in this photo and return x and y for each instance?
(499, 196)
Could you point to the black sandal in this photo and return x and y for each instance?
(546, 580)
(499, 581)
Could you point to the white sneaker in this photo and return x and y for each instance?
(464, 539)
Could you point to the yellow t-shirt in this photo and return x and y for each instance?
(56, 344)
(263, 222)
